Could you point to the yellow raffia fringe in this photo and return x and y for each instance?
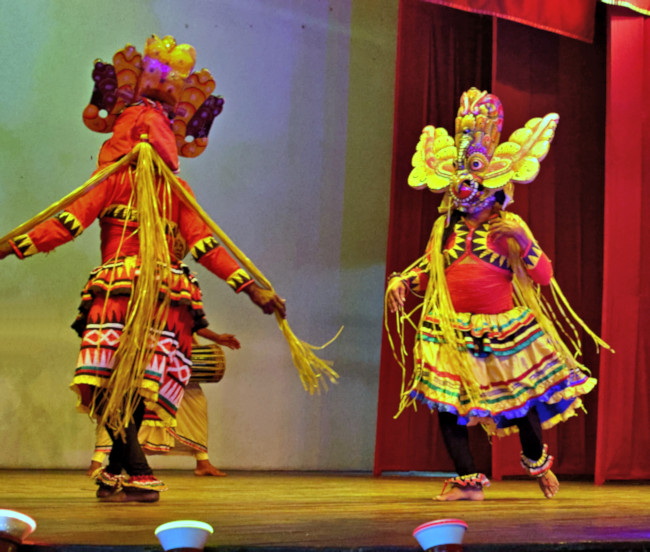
(400, 319)
(438, 302)
(147, 308)
(549, 316)
(143, 306)
(314, 372)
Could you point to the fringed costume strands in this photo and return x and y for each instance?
(489, 346)
(107, 297)
(140, 307)
(514, 363)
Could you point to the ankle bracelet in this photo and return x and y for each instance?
(537, 468)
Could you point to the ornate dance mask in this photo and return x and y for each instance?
(472, 167)
(163, 75)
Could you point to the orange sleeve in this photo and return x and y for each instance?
(66, 225)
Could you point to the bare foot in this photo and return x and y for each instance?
(549, 484)
(94, 466)
(203, 467)
(461, 493)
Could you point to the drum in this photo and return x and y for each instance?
(208, 363)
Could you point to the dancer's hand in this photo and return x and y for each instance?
(5, 249)
(266, 300)
(504, 228)
(227, 340)
(396, 295)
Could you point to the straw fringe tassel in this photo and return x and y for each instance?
(147, 308)
(313, 371)
(552, 317)
(438, 301)
(53, 209)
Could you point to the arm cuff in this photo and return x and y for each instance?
(532, 255)
(239, 279)
(23, 246)
(203, 246)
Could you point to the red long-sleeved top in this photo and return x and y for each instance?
(109, 202)
(478, 274)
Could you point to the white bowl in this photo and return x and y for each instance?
(15, 526)
(440, 531)
(185, 533)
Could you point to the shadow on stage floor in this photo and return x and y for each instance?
(274, 511)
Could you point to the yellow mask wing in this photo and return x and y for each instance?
(518, 160)
(433, 160)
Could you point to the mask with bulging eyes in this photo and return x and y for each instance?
(471, 167)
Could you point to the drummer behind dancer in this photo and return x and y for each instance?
(190, 436)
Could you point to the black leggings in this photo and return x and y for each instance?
(127, 453)
(457, 440)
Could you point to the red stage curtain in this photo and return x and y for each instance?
(574, 18)
(623, 433)
(441, 53)
(534, 72)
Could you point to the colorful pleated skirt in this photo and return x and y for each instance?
(514, 363)
(100, 323)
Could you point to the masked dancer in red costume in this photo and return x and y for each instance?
(486, 348)
(141, 306)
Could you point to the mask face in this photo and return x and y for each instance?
(478, 128)
(472, 166)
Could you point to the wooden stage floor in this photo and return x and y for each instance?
(337, 511)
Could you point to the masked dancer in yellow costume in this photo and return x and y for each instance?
(141, 306)
(486, 348)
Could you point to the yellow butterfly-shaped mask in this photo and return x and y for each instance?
(471, 168)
